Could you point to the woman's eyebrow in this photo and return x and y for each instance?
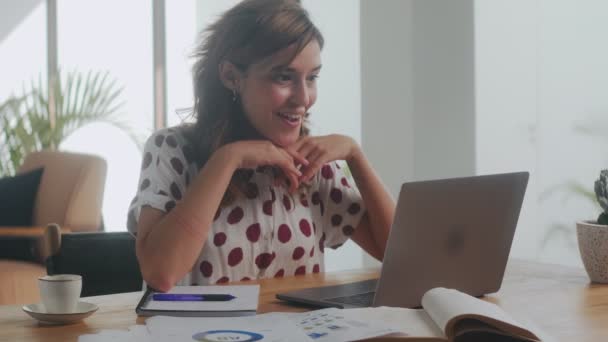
(286, 68)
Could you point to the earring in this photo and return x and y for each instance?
(233, 95)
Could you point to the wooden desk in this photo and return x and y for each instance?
(557, 299)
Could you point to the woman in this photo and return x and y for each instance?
(245, 192)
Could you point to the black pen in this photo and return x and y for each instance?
(188, 297)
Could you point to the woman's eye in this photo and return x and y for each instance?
(283, 77)
(313, 78)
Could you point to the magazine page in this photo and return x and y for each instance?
(338, 325)
(448, 307)
(408, 322)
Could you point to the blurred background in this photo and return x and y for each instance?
(429, 88)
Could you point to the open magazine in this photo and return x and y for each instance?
(447, 315)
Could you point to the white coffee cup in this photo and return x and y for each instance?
(60, 292)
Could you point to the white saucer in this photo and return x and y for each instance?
(83, 310)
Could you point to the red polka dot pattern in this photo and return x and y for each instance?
(144, 184)
(266, 218)
(336, 220)
(348, 230)
(298, 253)
(301, 270)
(354, 209)
(222, 280)
(235, 256)
(327, 172)
(253, 232)
(304, 200)
(206, 269)
(336, 195)
(286, 202)
(158, 141)
(316, 198)
(235, 215)
(177, 165)
(264, 260)
(219, 239)
(305, 227)
(146, 161)
(171, 141)
(267, 208)
(170, 205)
(284, 233)
(175, 191)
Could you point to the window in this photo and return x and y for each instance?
(113, 36)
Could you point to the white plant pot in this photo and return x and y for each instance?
(593, 246)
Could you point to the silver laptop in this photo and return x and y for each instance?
(453, 233)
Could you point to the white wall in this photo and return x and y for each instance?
(387, 118)
(444, 89)
(542, 70)
(418, 89)
(507, 88)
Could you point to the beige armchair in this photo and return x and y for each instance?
(70, 194)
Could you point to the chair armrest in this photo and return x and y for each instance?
(27, 232)
(37, 243)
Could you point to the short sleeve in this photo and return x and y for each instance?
(341, 205)
(163, 178)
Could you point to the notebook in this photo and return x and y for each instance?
(201, 301)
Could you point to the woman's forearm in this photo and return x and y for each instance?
(379, 203)
(167, 251)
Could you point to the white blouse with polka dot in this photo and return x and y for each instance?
(265, 233)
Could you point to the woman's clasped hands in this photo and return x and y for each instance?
(299, 161)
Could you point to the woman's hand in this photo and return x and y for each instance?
(321, 150)
(252, 153)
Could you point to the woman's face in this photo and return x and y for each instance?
(276, 94)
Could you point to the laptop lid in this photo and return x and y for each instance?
(454, 233)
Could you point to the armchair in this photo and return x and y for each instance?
(70, 194)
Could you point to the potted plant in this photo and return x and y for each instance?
(80, 99)
(593, 235)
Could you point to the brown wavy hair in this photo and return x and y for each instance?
(247, 33)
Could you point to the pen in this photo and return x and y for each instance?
(187, 297)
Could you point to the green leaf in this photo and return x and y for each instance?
(80, 99)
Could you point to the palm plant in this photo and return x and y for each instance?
(80, 99)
